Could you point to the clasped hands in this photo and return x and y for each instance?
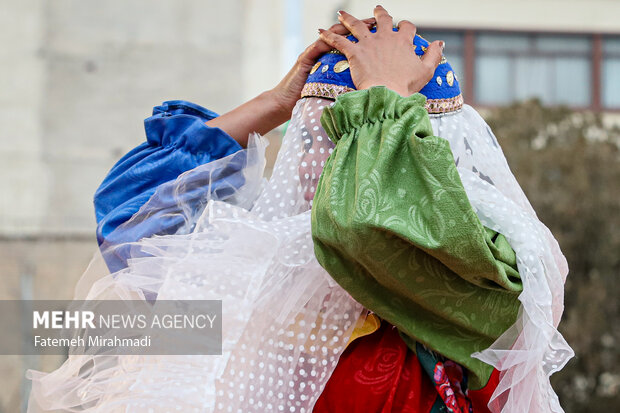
(384, 58)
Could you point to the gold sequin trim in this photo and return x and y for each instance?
(315, 67)
(324, 90)
(329, 91)
(450, 77)
(341, 66)
(434, 106)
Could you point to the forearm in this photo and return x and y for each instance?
(273, 107)
(260, 115)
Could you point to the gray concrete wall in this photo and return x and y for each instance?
(83, 74)
(76, 81)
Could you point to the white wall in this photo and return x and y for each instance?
(559, 15)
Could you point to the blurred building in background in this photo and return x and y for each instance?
(564, 53)
(79, 76)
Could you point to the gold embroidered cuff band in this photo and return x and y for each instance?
(330, 91)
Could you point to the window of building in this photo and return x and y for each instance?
(515, 67)
(498, 68)
(611, 73)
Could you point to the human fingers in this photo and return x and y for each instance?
(432, 57)
(314, 51)
(358, 28)
(371, 21)
(341, 29)
(385, 23)
(406, 28)
(337, 41)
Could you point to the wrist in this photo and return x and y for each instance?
(278, 105)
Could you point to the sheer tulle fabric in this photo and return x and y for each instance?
(286, 321)
(532, 349)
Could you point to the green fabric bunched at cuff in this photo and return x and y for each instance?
(392, 224)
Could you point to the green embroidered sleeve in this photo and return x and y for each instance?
(392, 224)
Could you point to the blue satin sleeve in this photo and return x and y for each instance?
(177, 140)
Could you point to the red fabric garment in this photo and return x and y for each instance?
(378, 373)
(480, 398)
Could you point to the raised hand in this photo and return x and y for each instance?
(274, 107)
(386, 57)
(288, 90)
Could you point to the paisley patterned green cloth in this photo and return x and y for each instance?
(392, 224)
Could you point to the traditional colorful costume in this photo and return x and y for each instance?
(419, 250)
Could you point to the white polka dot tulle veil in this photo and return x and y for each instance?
(285, 321)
